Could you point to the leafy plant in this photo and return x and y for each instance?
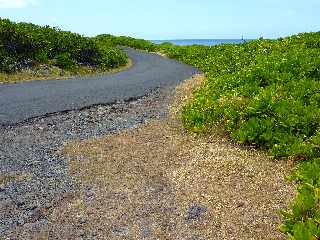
(25, 44)
(265, 93)
(303, 218)
(65, 61)
(126, 41)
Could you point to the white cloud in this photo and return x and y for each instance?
(17, 3)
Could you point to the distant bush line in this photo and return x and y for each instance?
(25, 45)
(126, 41)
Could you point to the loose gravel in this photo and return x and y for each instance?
(130, 171)
(34, 177)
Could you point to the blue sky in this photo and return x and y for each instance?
(171, 19)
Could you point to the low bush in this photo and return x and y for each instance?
(269, 98)
(127, 41)
(265, 93)
(64, 61)
(25, 45)
(302, 220)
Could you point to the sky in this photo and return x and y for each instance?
(171, 19)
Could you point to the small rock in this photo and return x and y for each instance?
(81, 233)
(145, 232)
(83, 220)
(20, 221)
(241, 204)
(37, 215)
(121, 231)
(196, 212)
(46, 71)
(197, 238)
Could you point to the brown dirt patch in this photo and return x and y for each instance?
(159, 182)
(19, 177)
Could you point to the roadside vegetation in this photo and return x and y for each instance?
(264, 93)
(32, 51)
(126, 41)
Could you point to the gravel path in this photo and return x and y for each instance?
(158, 182)
(22, 101)
(100, 173)
(37, 118)
(34, 178)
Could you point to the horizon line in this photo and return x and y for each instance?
(204, 39)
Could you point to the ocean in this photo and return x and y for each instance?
(206, 42)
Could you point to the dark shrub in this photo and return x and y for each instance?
(65, 61)
(28, 43)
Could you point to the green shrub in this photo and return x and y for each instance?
(64, 61)
(127, 41)
(41, 57)
(302, 221)
(112, 57)
(270, 100)
(265, 93)
(26, 43)
(8, 64)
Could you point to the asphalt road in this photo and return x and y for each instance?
(22, 101)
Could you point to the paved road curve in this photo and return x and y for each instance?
(19, 102)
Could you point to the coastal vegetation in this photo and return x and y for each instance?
(264, 93)
(26, 49)
(126, 41)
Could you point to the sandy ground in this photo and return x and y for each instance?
(158, 181)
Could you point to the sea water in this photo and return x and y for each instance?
(206, 42)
